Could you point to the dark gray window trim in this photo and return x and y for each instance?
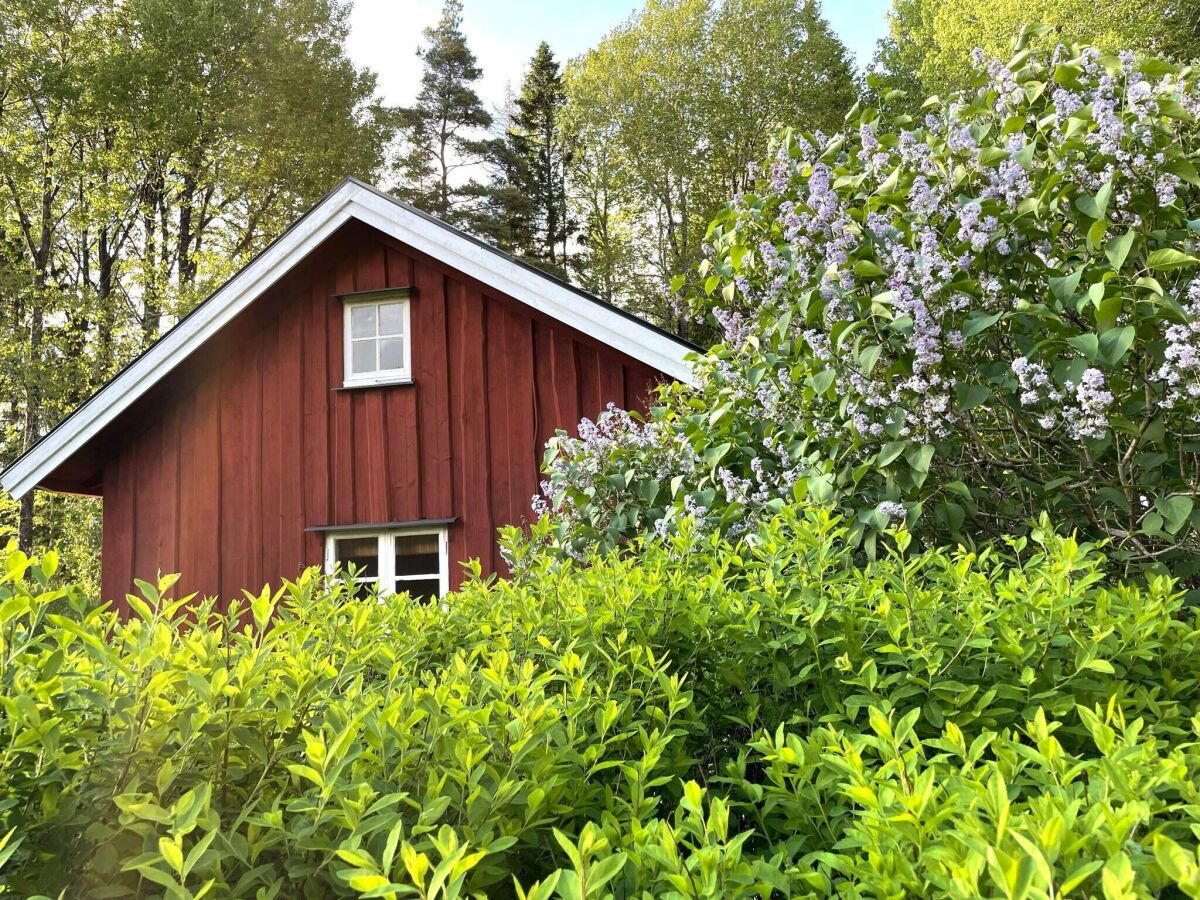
(383, 526)
(399, 382)
(352, 296)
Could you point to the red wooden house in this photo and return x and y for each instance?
(375, 387)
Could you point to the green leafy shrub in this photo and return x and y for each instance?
(958, 322)
(699, 719)
(327, 749)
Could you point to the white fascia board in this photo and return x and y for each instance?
(142, 374)
(351, 200)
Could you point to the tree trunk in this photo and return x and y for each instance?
(33, 375)
(105, 312)
(33, 404)
(187, 247)
(443, 174)
(151, 305)
(551, 191)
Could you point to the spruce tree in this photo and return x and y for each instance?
(529, 197)
(442, 133)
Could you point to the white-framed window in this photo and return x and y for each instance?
(377, 339)
(415, 560)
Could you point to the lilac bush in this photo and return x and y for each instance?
(958, 321)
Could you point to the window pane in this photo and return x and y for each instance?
(417, 554)
(391, 353)
(362, 357)
(391, 318)
(362, 321)
(363, 553)
(420, 590)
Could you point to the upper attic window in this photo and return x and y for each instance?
(378, 340)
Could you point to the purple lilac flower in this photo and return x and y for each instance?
(916, 154)
(818, 343)
(1109, 128)
(973, 227)
(1087, 417)
(868, 141)
(735, 326)
(737, 490)
(1139, 96)
(1035, 383)
(1180, 371)
(1065, 104)
(960, 139)
(1009, 95)
(1165, 188)
(1008, 182)
(1082, 409)
(694, 509)
(922, 199)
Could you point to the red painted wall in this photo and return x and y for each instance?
(217, 473)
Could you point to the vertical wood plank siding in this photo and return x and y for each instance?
(218, 474)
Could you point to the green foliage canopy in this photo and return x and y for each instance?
(929, 44)
(667, 112)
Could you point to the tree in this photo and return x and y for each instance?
(1180, 36)
(243, 119)
(674, 106)
(47, 50)
(606, 263)
(140, 163)
(442, 134)
(530, 196)
(928, 49)
(897, 60)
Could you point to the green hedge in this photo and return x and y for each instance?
(698, 719)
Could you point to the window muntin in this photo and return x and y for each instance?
(408, 560)
(378, 340)
(359, 555)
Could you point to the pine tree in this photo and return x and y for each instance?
(529, 197)
(441, 132)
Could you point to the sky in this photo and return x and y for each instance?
(384, 35)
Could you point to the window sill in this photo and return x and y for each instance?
(367, 385)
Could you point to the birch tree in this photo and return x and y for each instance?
(670, 109)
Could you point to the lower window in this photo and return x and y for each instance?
(410, 561)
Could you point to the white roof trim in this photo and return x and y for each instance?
(352, 199)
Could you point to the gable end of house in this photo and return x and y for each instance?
(351, 200)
